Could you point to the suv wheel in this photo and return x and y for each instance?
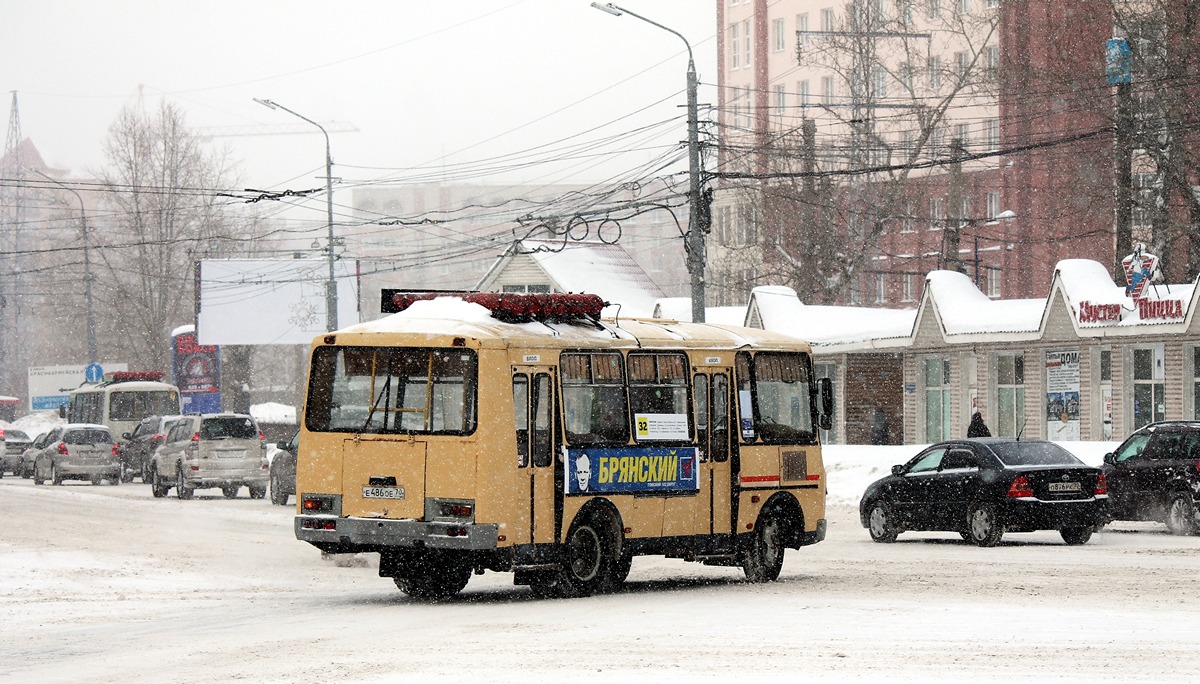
(182, 490)
(1181, 513)
(157, 487)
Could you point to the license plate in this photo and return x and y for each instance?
(383, 492)
(1065, 486)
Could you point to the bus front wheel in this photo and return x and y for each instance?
(763, 558)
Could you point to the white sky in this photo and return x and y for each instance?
(423, 81)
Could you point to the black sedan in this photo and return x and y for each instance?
(283, 470)
(982, 488)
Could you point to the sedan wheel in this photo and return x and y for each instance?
(983, 524)
(1075, 536)
(278, 496)
(1181, 514)
(879, 522)
(55, 476)
(157, 487)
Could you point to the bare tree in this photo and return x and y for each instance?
(163, 212)
(826, 186)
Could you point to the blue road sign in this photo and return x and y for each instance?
(93, 373)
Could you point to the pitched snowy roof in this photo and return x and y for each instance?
(1090, 294)
(962, 309)
(680, 309)
(779, 309)
(589, 266)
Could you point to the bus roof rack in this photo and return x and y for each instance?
(131, 376)
(510, 307)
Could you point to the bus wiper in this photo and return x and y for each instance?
(383, 394)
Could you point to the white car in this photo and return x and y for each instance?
(224, 450)
(76, 451)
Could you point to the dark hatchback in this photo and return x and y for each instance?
(982, 488)
(1155, 475)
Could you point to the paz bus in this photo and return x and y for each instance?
(523, 433)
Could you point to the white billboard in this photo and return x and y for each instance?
(270, 301)
(49, 386)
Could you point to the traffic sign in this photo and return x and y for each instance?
(93, 373)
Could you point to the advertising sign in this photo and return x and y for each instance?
(196, 372)
(1062, 395)
(1118, 61)
(661, 426)
(632, 469)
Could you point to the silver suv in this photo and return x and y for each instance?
(224, 450)
(76, 451)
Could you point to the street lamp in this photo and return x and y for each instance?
(87, 267)
(695, 230)
(331, 297)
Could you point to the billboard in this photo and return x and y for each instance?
(270, 301)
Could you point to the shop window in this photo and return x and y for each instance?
(937, 400)
(1147, 386)
(1010, 395)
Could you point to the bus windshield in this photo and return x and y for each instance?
(381, 390)
(137, 404)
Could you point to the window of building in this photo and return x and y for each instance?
(935, 73)
(962, 131)
(937, 213)
(991, 134)
(937, 399)
(964, 6)
(827, 90)
(777, 34)
(879, 79)
(780, 100)
(1148, 400)
(962, 62)
(992, 57)
(992, 4)
(802, 88)
(964, 209)
(734, 45)
(880, 12)
(904, 10)
(746, 42)
(992, 273)
(993, 205)
(802, 29)
(1010, 394)
(827, 21)
(906, 77)
(1195, 382)
(908, 292)
(880, 288)
(909, 220)
(934, 9)
(855, 294)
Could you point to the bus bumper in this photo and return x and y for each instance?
(816, 535)
(333, 534)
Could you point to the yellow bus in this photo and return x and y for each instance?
(522, 433)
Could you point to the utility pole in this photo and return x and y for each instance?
(1120, 74)
(696, 231)
(87, 266)
(12, 204)
(956, 217)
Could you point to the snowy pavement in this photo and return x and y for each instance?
(106, 584)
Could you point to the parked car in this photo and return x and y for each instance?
(1155, 475)
(283, 470)
(223, 450)
(76, 451)
(15, 444)
(140, 444)
(982, 488)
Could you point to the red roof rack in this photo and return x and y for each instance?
(512, 307)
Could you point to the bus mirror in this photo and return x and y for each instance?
(62, 410)
(826, 400)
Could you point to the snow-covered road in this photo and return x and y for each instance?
(106, 584)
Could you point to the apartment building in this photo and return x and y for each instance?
(865, 143)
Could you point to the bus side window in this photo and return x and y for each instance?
(521, 417)
(720, 417)
(542, 446)
(700, 388)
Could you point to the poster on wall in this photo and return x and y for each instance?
(1062, 395)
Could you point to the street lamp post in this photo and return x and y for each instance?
(331, 297)
(696, 247)
(87, 267)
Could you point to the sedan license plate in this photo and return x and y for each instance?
(1065, 486)
(383, 492)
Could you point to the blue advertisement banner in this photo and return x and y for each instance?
(1118, 61)
(197, 373)
(628, 470)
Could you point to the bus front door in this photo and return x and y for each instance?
(533, 404)
(714, 437)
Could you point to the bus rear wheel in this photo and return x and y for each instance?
(434, 576)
